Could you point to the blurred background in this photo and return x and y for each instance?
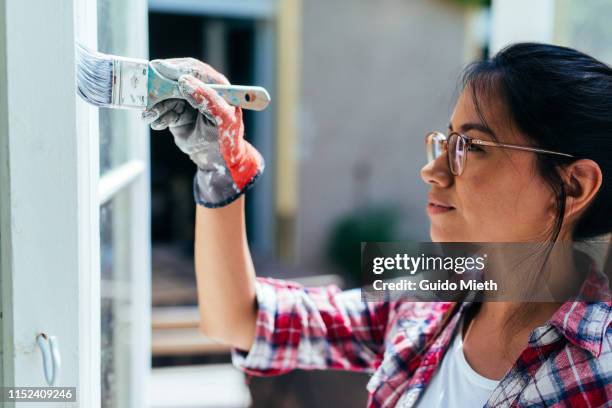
(355, 86)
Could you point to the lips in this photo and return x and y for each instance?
(439, 203)
(438, 206)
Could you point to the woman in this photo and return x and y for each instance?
(541, 173)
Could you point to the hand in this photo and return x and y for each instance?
(209, 130)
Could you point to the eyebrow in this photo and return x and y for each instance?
(473, 126)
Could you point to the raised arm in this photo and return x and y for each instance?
(274, 325)
(211, 132)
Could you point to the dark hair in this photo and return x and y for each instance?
(561, 99)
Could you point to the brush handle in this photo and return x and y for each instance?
(247, 97)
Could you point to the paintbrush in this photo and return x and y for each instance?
(128, 83)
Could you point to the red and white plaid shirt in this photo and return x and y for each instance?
(568, 360)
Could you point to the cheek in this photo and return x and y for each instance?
(482, 197)
(507, 200)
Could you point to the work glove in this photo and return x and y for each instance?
(209, 130)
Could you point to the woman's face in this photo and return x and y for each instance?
(499, 197)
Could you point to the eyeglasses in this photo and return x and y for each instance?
(457, 145)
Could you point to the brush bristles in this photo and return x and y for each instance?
(94, 76)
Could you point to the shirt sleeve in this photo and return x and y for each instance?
(313, 328)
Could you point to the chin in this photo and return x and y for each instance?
(443, 236)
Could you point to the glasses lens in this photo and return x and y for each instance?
(434, 144)
(456, 151)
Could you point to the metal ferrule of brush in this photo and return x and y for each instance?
(130, 83)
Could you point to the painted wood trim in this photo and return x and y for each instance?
(88, 141)
(50, 211)
(140, 230)
(6, 321)
(115, 180)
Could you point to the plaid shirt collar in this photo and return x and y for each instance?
(584, 323)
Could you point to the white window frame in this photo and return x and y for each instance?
(51, 194)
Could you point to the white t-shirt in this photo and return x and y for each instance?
(455, 383)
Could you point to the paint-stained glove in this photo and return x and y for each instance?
(209, 130)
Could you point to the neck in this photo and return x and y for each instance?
(524, 278)
(491, 319)
(497, 313)
(531, 272)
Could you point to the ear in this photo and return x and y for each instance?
(582, 180)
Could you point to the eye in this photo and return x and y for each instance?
(475, 148)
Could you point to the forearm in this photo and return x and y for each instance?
(225, 275)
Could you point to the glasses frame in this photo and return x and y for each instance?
(468, 141)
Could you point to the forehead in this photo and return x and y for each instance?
(495, 114)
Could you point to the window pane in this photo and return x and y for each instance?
(114, 147)
(116, 324)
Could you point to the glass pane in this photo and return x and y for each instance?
(116, 324)
(114, 123)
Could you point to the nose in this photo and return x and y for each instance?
(437, 172)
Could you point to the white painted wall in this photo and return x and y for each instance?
(521, 20)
